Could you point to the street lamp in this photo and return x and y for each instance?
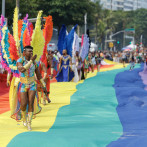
(17, 3)
(111, 4)
(85, 22)
(3, 8)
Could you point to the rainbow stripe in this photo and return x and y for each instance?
(76, 121)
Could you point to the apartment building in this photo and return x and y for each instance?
(125, 5)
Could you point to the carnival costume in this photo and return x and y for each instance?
(75, 48)
(70, 42)
(46, 77)
(12, 52)
(84, 53)
(27, 79)
(65, 73)
(47, 33)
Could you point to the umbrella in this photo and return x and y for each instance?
(127, 48)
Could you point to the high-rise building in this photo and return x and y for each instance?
(125, 5)
(128, 5)
(143, 3)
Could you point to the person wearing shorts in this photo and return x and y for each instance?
(132, 64)
(123, 58)
(28, 67)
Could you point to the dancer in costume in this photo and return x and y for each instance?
(44, 72)
(65, 73)
(12, 50)
(87, 63)
(28, 68)
(47, 33)
(75, 57)
(98, 61)
(74, 68)
(48, 76)
(71, 44)
(54, 63)
(84, 55)
(93, 62)
(78, 64)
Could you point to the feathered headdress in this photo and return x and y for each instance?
(75, 46)
(84, 47)
(23, 31)
(15, 27)
(61, 39)
(47, 33)
(69, 41)
(12, 46)
(38, 40)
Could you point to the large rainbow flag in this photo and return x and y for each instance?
(107, 109)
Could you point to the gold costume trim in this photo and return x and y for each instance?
(65, 60)
(27, 80)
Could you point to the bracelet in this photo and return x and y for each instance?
(27, 66)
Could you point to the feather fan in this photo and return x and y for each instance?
(38, 40)
(47, 33)
(61, 39)
(69, 41)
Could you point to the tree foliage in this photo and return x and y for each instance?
(26, 7)
(107, 21)
(133, 19)
(68, 12)
(71, 12)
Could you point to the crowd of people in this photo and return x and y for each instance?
(119, 56)
(94, 60)
(91, 62)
